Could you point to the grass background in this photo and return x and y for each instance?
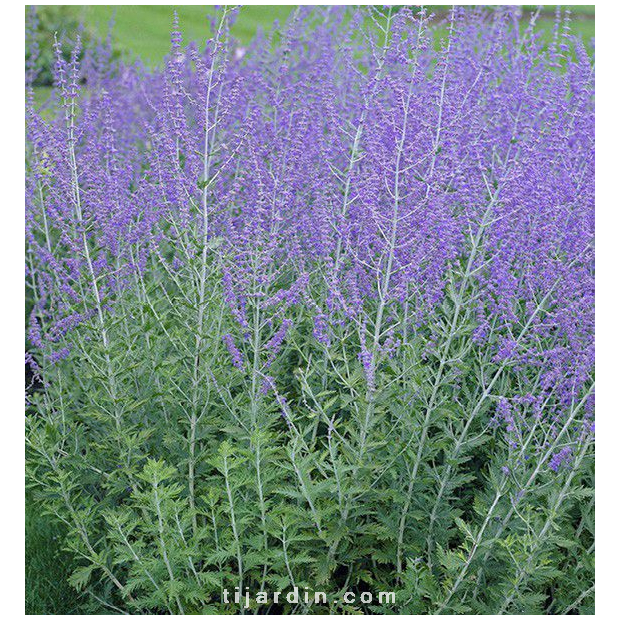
(47, 567)
(143, 32)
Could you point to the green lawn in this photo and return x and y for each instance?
(48, 567)
(144, 31)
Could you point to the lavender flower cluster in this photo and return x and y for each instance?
(361, 256)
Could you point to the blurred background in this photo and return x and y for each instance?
(143, 32)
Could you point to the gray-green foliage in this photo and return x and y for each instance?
(177, 478)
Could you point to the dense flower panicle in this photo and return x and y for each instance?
(235, 354)
(369, 245)
(560, 458)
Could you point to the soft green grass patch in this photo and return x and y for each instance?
(41, 95)
(48, 567)
(144, 31)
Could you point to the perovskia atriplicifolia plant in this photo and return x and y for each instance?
(318, 313)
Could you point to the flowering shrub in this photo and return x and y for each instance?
(318, 313)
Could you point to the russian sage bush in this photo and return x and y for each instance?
(318, 313)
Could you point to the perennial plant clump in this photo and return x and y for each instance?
(318, 313)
